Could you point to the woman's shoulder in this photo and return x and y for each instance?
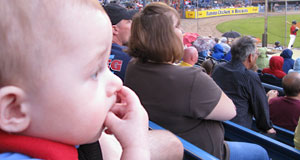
(188, 70)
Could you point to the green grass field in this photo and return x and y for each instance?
(255, 27)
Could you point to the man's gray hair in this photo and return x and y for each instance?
(242, 48)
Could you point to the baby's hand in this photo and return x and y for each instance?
(128, 121)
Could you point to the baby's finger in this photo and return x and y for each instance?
(111, 121)
(108, 131)
(119, 109)
(129, 97)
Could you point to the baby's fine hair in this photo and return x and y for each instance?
(27, 30)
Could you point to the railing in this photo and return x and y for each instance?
(283, 135)
(275, 149)
(270, 87)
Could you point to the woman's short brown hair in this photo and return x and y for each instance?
(153, 35)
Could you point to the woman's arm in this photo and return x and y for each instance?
(224, 110)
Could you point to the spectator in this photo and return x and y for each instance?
(287, 54)
(263, 59)
(285, 111)
(190, 57)
(209, 65)
(223, 43)
(243, 86)
(227, 56)
(216, 40)
(278, 46)
(121, 26)
(184, 100)
(296, 66)
(218, 52)
(276, 63)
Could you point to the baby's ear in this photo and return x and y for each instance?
(14, 114)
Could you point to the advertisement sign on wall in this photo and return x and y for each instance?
(220, 12)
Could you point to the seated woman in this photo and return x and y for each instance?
(184, 100)
(275, 67)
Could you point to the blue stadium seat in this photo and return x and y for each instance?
(276, 149)
(270, 79)
(191, 152)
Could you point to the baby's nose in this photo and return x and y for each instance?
(114, 85)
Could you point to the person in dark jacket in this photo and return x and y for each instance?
(244, 87)
(288, 61)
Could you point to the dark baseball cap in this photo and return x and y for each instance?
(117, 13)
(294, 22)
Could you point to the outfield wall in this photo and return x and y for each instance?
(220, 12)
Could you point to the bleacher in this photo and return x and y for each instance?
(270, 87)
(235, 132)
(283, 135)
(275, 149)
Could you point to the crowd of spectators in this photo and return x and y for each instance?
(236, 76)
(164, 81)
(154, 64)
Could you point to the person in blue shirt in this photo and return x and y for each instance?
(120, 18)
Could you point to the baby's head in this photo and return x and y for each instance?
(54, 80)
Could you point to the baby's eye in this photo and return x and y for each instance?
(95, 76)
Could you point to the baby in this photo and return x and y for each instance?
(56, 90)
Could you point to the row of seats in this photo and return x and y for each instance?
(235, 132)
(279, 146)
(283, 135)
(272, 87)
(275, 149)
(269, 79)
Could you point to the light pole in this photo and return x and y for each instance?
(265, 35)
(285, 24)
